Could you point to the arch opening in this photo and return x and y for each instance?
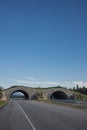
(19, 94)
(59, 95)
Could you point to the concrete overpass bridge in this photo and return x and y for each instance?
(30, 93)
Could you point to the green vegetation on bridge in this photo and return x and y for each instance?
(43, 88)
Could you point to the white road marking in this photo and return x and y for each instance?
(29, 121)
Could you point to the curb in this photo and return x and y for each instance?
(3, 105)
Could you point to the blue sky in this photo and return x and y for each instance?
(43, 42)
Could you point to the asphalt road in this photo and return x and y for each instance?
(31, 115)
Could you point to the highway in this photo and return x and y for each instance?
(31, 115)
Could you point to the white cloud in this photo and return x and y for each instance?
(49, 83)
(29, 81)
(32, 82)
(37, 82)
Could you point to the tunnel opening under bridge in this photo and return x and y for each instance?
(19, 94)
(59, 95)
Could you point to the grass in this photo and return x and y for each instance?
(2, 102)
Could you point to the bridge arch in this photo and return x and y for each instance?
(19, 90)
(56, 93)
(59, 95)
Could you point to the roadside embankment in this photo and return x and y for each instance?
(3, 103)
(78, 105)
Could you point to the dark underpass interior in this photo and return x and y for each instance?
(59, 95)
(19, 94)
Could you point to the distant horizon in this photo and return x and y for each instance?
(43, 43)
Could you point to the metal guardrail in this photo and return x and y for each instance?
(69, 101)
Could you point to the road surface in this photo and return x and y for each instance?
(31, 115)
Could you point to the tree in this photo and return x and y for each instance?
(82, 90)
(74, 88)
(77, 87)
(1, 92)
